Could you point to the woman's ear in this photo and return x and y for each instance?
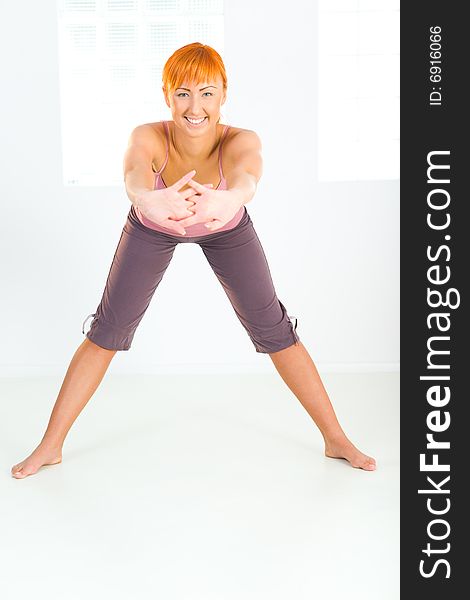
(165, 95)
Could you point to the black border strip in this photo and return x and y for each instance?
(434, 258)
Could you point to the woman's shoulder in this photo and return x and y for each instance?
(240, 139)
(239, 131)
(156, 132)
(155, 129)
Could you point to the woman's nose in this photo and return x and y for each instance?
(195, 107)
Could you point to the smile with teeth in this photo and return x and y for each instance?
(195, 121)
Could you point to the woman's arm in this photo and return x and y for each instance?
(243, 165)
(137, 164)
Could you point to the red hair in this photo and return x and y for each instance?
(194, 62)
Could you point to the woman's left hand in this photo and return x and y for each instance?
(213, 207)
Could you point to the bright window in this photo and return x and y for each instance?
(359, 90)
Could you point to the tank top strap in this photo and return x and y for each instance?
(167, 135)
(220, 150)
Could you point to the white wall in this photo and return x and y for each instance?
(333, 249)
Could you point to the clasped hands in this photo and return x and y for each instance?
(175, 209)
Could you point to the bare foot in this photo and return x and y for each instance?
(343, 448)
(39, 457)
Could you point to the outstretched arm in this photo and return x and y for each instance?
(243, 165)
(137, 164)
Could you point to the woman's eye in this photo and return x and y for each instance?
(182, 93)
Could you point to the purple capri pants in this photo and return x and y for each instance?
(238, 261)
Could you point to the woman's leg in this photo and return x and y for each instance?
(139, 263)
(238, 260)
(84, 374)
(297, 369)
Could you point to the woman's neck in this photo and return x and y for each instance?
(189, 149)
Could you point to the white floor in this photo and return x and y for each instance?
(201, 488)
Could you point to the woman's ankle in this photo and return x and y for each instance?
(51, 444)
(334, 438)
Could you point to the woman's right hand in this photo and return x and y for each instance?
(167, 205)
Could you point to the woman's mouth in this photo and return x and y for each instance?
(195, 122)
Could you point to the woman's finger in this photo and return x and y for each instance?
(179, 184)
(197, 186)
(188, 193)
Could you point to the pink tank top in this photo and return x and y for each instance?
(198, 228)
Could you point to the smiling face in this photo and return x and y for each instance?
(196, 102)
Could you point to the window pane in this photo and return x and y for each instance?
(359, 88)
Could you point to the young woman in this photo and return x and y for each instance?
(206, 175)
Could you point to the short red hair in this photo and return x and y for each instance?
(194, 62)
